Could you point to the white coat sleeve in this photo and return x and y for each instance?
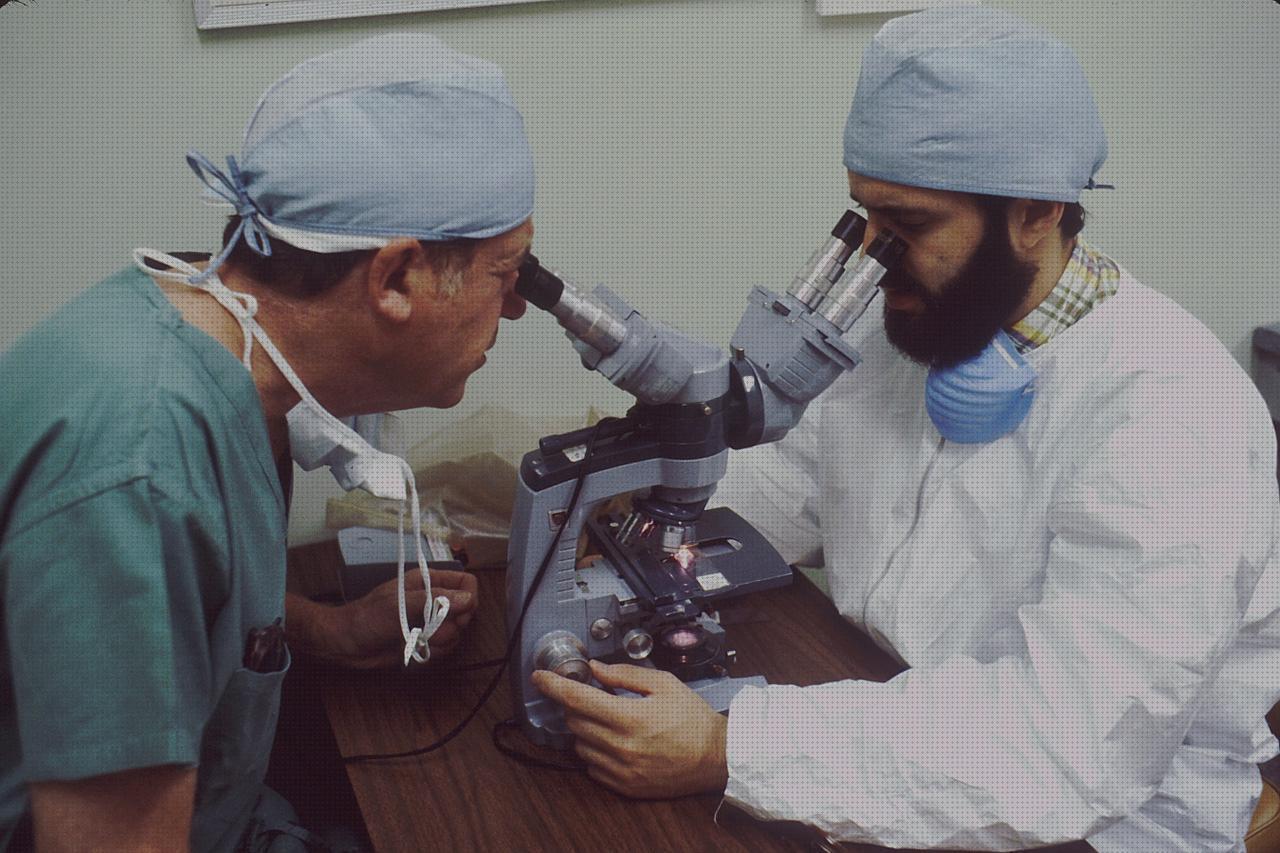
(776, 488)
(1144, 591)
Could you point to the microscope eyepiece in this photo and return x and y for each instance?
(850, 228)
(850, 297)
(887, 248)
(827, 264)
(538, 285)
(583, 318)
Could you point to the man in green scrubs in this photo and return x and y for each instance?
(381, 215)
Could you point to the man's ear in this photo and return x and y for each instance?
(1031, 221)
(388, 284)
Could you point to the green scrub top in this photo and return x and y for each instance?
(142, 536)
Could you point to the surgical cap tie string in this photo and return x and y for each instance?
(231, 189)
(1094, 185)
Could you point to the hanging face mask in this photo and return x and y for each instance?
(983, 398)
(318, 438)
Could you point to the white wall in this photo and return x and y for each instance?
(685, 149)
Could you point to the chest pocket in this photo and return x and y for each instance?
(233, 757)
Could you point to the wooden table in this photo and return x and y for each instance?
(469, 796)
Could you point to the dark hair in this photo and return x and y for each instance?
(1073, 216)
(1073, 213)
(301, 274)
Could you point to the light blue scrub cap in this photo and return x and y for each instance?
(397, 135)
(973, 99)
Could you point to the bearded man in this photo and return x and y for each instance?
(1047, 490)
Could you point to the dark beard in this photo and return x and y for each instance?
(973, 305)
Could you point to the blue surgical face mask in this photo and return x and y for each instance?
(984, 397)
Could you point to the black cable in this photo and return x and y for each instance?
(469, 667)
(510, 751)
(515, 632)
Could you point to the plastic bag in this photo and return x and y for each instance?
(466, 475)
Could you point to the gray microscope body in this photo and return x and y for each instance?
(651, 597)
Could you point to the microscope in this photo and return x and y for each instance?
(663, 569)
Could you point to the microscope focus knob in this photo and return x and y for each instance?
(638, 643)
(564, 654)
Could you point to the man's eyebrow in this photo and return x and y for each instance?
(517, 260)
(895, 209)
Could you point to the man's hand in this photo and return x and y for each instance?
(365, 633)
(667, 744)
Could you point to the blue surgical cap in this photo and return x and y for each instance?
(973, 99)
(397, 135)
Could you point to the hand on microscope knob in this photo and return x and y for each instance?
(666, 743)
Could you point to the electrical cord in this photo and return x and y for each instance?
(515, 632)
(471, 667)
(507, 747)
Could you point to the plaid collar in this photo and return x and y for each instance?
(1089, 278)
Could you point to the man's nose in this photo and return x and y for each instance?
(869, 235)
(513, 306)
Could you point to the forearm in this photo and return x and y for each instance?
(367, 633)
(148, 809)
(938, 760)
(715, 764)
(308, 626)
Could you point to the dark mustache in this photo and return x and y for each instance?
(897, 282)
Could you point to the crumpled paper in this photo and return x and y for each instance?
(466, 475)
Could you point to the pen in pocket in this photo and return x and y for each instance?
(264, 648)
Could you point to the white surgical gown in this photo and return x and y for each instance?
(1088, 605)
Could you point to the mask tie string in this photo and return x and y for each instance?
(243, 307)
